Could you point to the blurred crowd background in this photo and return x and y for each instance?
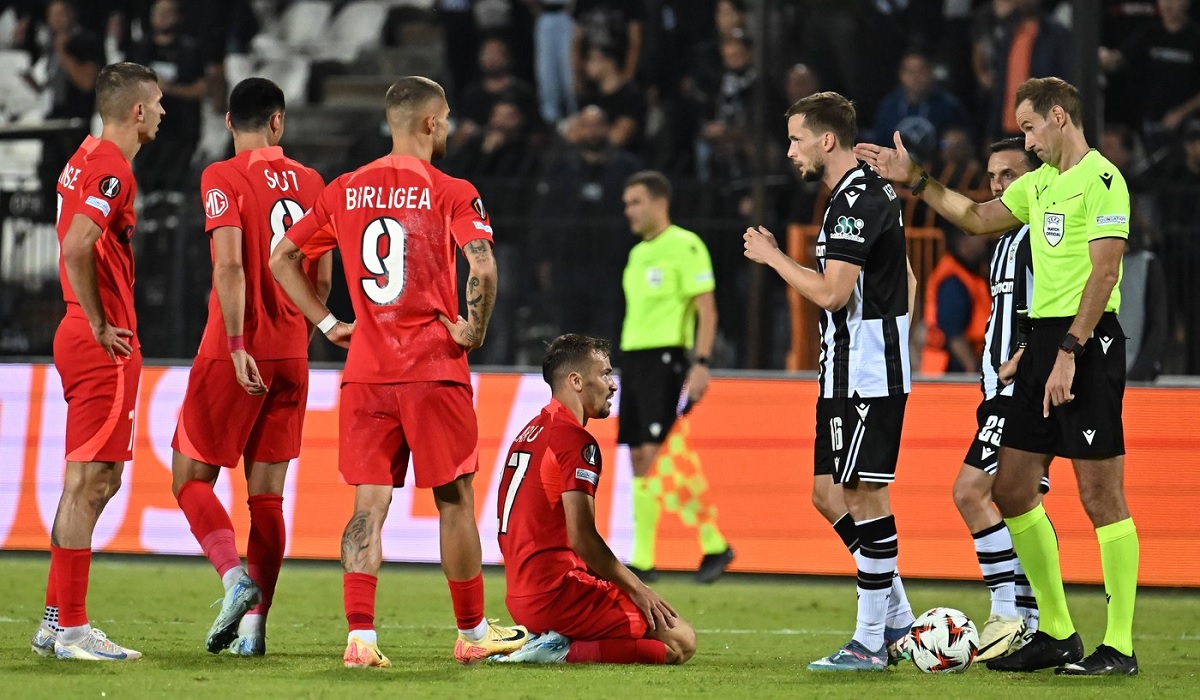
(554, 103)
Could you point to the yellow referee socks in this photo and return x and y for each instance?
(1119, 560)
(1037, 547)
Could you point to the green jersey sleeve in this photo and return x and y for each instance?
(1106, 205)
(1017, 196)
(696, 273)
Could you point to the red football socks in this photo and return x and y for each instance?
(467, 598)
(618, 651)
(358, 596)
(264, 553)
(210, 524)
(71, 567)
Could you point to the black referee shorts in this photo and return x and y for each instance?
(651, 382)
(1090, 426)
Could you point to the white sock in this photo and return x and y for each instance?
(899, 612)
(1026, 603)
(252, 624)
(876, 560)
(476, 634)
(73, 635)
(231, 577)
(364, 636)
(997, 559)
(50, 617)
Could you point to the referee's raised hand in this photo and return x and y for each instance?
(894, 164)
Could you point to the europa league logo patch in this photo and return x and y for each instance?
(477, 205)
(110, 186)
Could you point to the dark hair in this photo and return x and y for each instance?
(252, 103)
(411, 92)
(1044, 93)
(568, 352)
(1017, 143)
(119, 86)
(828, 111)
(655, 183)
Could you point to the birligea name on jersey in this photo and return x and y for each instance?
(368, 197)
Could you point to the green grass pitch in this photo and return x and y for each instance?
(756, 634)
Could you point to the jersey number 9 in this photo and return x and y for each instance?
(383, 256)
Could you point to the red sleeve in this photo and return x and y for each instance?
(314, 234)
(468, 218)
(220, 205)
(578, 458)
(105, 192)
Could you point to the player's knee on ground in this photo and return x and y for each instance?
(680, 642)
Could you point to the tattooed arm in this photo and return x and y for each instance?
(481, 296)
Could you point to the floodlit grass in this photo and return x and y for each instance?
(756, 634)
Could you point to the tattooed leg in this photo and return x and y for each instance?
(362, 550)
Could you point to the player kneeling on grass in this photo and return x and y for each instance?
(564, 583)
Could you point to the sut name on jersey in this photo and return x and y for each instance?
(368, 197)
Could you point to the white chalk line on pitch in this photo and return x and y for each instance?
(785, 632)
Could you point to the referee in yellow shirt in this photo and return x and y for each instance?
(669, 310)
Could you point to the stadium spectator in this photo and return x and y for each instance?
(96, 349)
(179, 62)
(67, 68)
(580, 242)
(862, 238)
(553, 38)
(670, 311)
(1030, 44)
(616, 24)
(728, 20)
(1163, 62)
(564, 582)
(248, 385)
(987, 39)
(621, 99)
(725, 142)
(917, 106)
(496, 82)
(406, 389)
(500, 149)
(1145, 310)
(957, 303)
(1077, 247)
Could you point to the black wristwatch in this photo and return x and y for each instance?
(920, 184)
(702, 361)
(1071, 345)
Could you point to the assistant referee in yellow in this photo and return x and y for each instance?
(669, 310)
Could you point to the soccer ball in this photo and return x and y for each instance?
(943, 640)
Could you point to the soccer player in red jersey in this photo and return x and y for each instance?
(248, 387)
(406, 389)
(96, 350)
(564, 583)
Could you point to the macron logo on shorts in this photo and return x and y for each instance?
(98, 203)
(587, 475)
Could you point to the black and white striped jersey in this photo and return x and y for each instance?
(864, 344)
(1011, 280)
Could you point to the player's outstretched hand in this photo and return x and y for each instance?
(113, 340)
(1008, 370)
(893, 164)
(340, 334)
(246, 371)
(658, 612)
(760, 244)
(1058, 384)
(461, 332)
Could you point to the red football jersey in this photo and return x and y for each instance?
(262, 192)
(397, 222)
(551, 455)
(98, 183)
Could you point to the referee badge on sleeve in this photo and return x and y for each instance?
(1052, 227)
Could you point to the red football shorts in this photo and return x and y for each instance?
(582, 608)
(219, 422)
(382, 424)
(101, 394)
